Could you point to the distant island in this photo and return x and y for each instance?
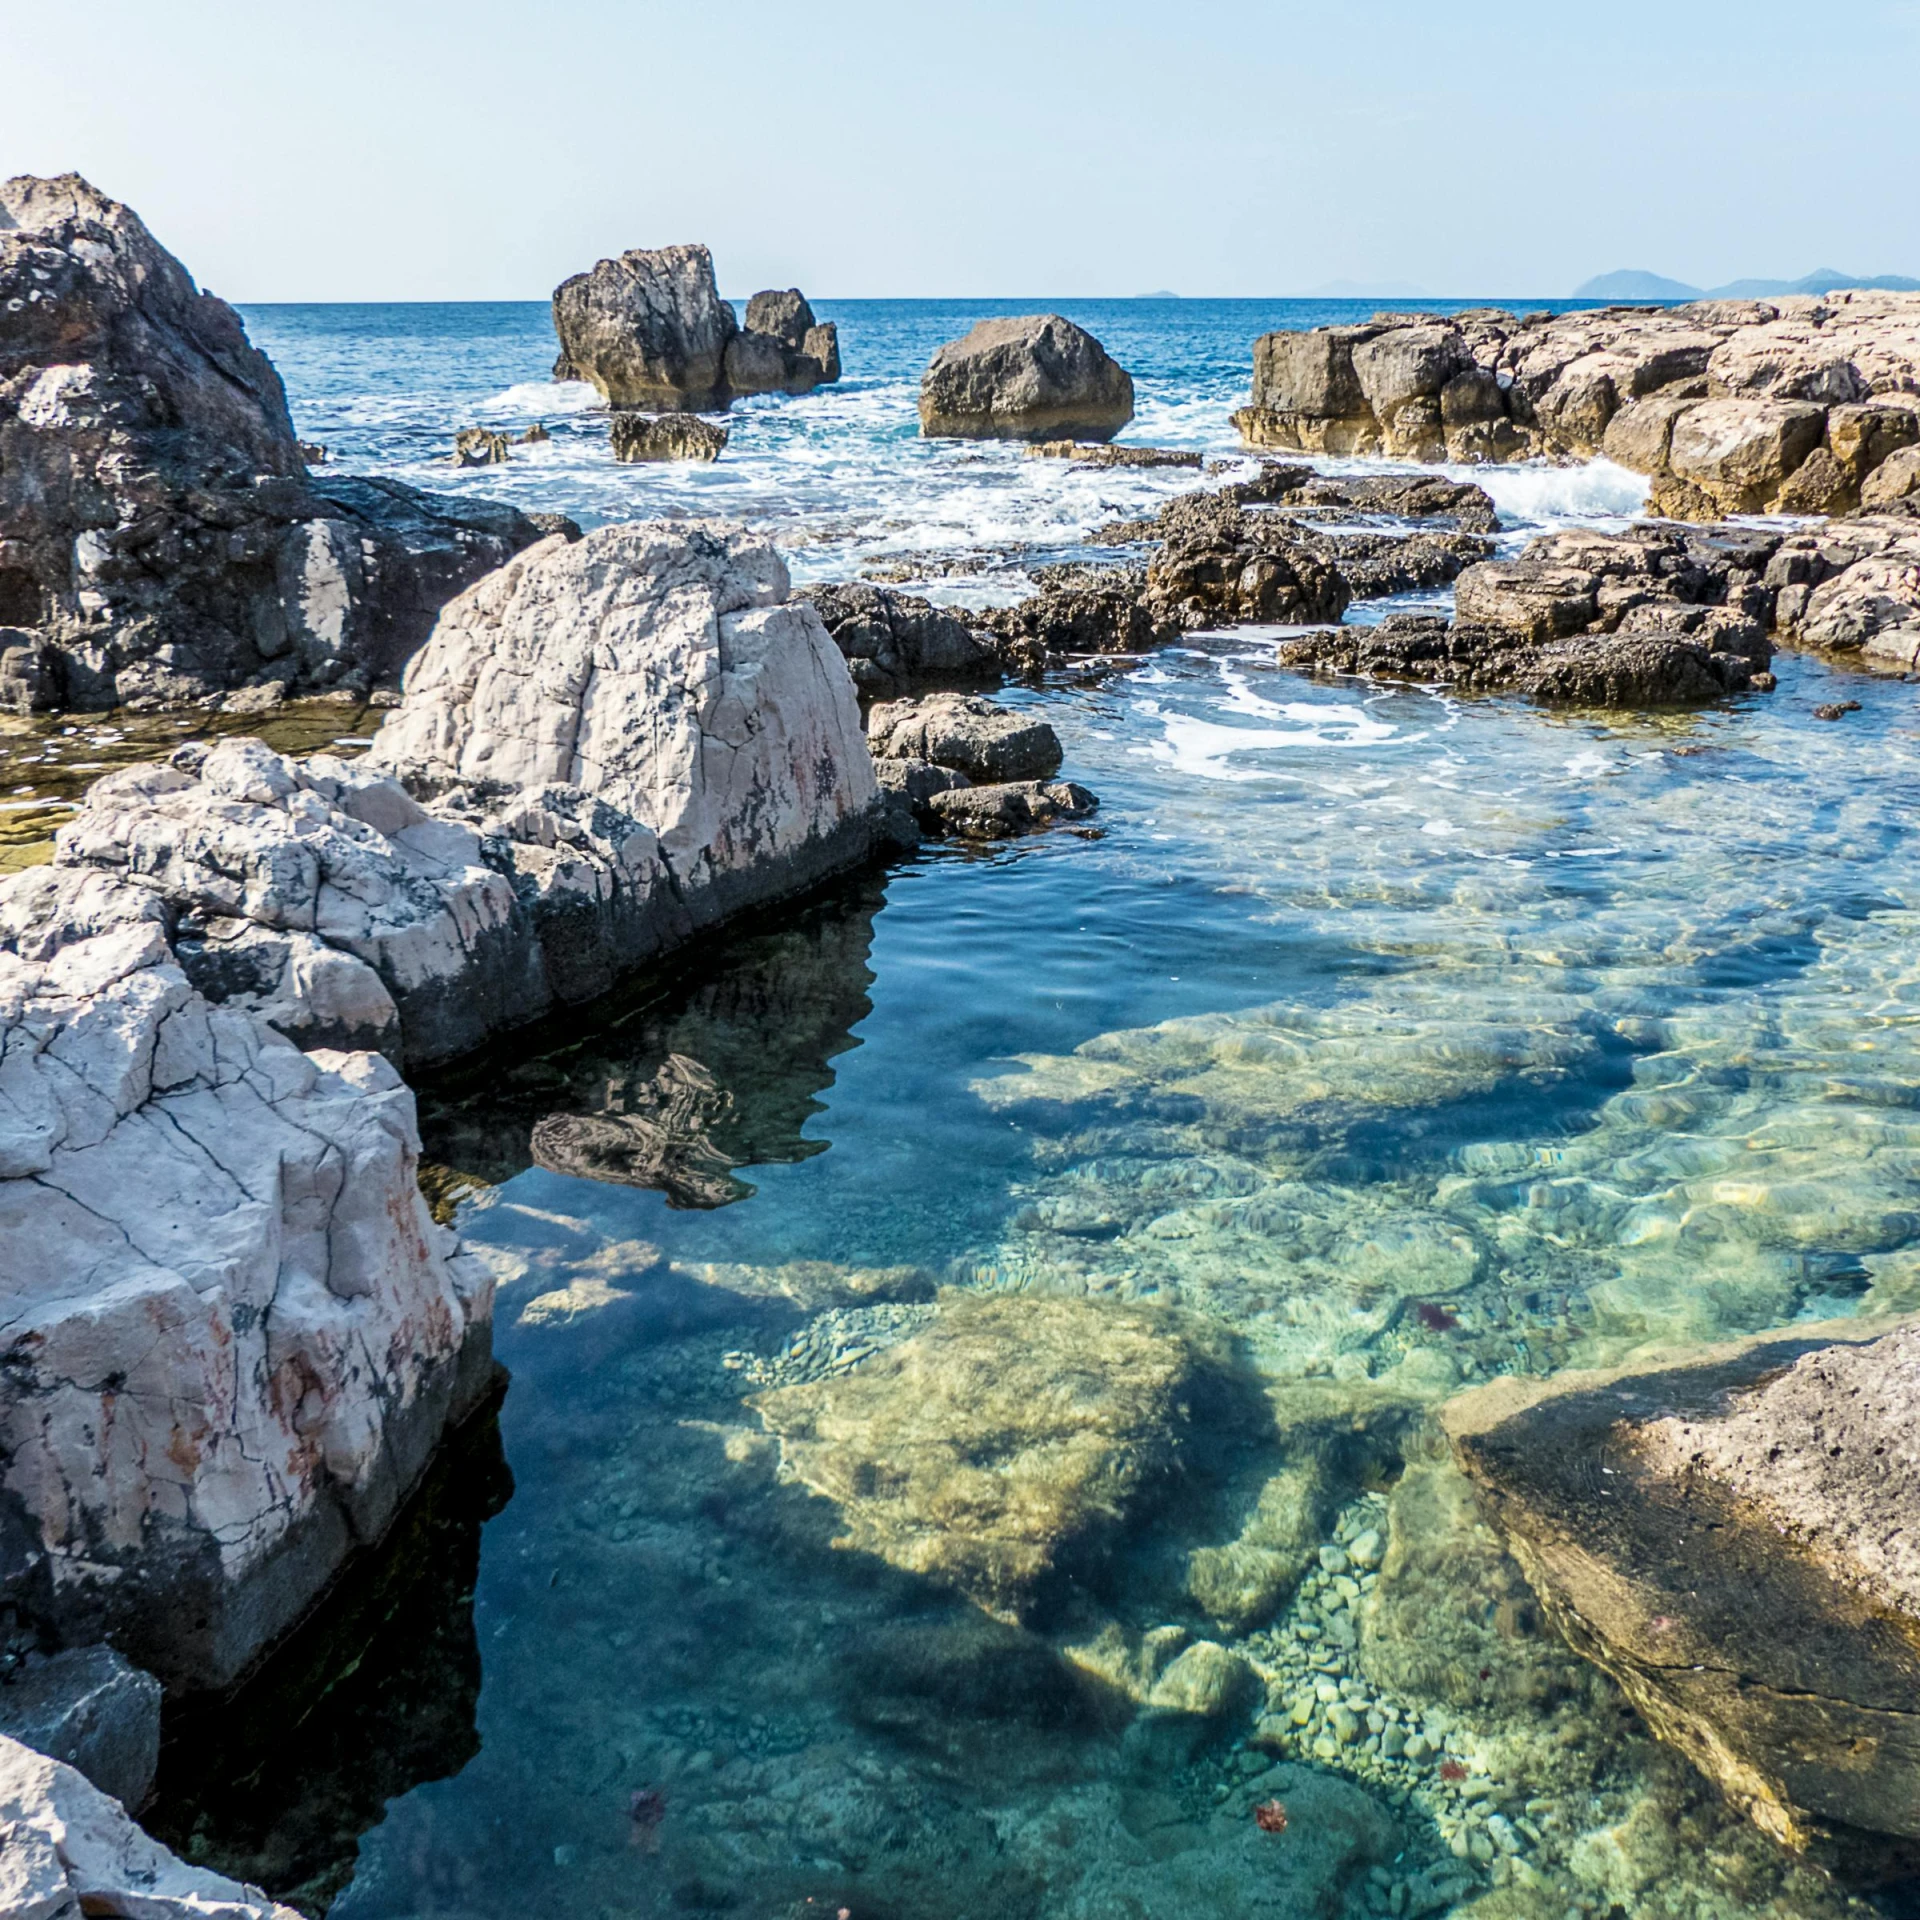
(1632, 283)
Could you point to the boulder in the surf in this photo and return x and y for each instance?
(1034, 377)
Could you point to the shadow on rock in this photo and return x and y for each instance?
(676, 1084)
(276, 1782)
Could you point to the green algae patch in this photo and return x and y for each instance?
(1006, 1443)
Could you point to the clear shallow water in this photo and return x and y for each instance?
(1397, 1041)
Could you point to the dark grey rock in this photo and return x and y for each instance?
(649, 329)
(666, 436)
(1003, 809)
(1038, 377)
(92, 1709)
(974, 736)
(897, 643)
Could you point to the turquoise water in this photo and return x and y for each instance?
(1376, 1044)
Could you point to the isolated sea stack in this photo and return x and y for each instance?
(161, 538)
(1796, 405)
(651, 333)
(1036, 377)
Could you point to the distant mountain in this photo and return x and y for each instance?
(1632, 283)
(1368, 290)
(1163, 294)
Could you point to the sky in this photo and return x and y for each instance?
(395, 150)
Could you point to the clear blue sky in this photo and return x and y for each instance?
(384, 149)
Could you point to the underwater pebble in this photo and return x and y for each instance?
(1365, 1549)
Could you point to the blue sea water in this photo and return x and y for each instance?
(1403, 1040)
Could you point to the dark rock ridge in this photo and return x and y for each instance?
(1094, 454)
(963, 765)
(160, 536)
(1732, 1539)
(1036, 377)
(650, 331)
(1655, 615)
(897, 643)
(1732, 406)
(666, 436)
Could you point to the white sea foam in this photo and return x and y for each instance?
(1540, 495)
(536, 399)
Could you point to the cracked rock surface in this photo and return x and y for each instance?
(1730, 1538)
(231, 1331)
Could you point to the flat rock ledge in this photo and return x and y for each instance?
(1797, 405)
(1731, 1537)
(67, 1849)
(161, 539)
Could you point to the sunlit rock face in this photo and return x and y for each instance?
(234, 1335)
(1731, 1539)
(1733, 406)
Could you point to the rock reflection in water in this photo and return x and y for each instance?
(717, 1071)
(275, 1783)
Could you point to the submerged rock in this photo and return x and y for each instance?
(72, 1849)
(665, 436)
(1003, 1445)
(1731, 1538)
(1039, 377)
(1785, 406)
(161, 538)
(1092, 453)
(234, 1333)
(999, 810)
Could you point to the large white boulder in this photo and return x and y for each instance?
(67, 1849)
(230, 1332)
(661, 669)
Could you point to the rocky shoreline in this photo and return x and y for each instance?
(236, 1334)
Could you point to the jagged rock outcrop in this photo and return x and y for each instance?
(233, 1332)
(1854, 587)
(1094, 454)
(1732, 406)
(479, 447)
(1647, 617)
(160, 536)
(1732, 1539)
(650, 331)
(665, 436)
(70, 1849)
(622, 739)
(782, 348)
(1038, 377)
(897, 643)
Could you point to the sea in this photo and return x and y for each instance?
(1372, 1044)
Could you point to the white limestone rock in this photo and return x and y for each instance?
(231, 1332)
(67, 1849)
(660, 669)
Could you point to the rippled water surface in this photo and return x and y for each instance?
(1376, 1044)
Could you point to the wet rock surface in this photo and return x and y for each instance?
(1039, 377)
(1729, 1538)
(898, 643)
(161, 538)
(92, 1709)
(665, 436)
(967, 733)
(1779, 406)
(1653, 616)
